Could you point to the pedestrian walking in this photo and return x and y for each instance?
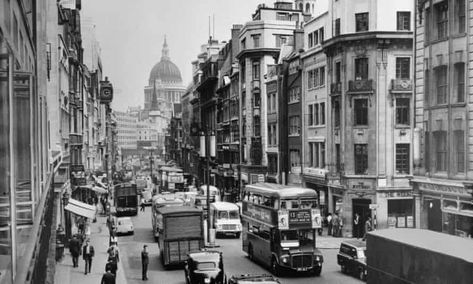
(112, 267)
(329, 224)
(108, 278)
(88, 253)
(142, 205)
(113, 253)
(340, 227)
(144, 262)
(74, 249)
(368, 227)
(356, 226)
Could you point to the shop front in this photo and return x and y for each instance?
(395, 209)
(445, 207)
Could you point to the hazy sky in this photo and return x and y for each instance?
(131, 35)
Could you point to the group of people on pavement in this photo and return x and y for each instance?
(87, 251)
(335, 225)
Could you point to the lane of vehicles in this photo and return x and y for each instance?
(352, 258)
(279, 227)
(225, 218)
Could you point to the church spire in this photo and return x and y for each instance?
(165, 50)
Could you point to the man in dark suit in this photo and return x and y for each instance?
(108, 278)
(112, 267)
(88, 253)
(144, 262)
(74, 249)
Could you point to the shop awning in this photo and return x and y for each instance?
(80, 208)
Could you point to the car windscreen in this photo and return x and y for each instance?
(206, 266)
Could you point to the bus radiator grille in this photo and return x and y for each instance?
(301, 261)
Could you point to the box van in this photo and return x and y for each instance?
(225, 218)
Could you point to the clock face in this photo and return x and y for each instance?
(107, 93)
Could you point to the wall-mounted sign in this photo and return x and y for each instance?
(78, 175)
(106, 92)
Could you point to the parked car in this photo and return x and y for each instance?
(245, 279)
(205, 267)
(125, 225)
(352, 258)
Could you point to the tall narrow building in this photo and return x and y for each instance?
(443, 162)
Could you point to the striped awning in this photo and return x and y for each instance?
(80, 208)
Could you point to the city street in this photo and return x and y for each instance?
(235, 260)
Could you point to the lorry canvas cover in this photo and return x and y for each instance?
(397, 256)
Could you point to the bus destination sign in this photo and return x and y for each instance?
(298, 218)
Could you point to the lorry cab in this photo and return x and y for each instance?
(225, 218)
(214, 192)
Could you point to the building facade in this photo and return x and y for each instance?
(260, 43)
(370, 69)
(443, 163)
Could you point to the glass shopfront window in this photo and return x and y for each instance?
(458, 225)
(400, 213)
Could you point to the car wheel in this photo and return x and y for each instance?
(362, 275)
(250, 253)
(317, 271)
(237, 235)
(344, 268)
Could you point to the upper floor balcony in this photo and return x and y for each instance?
(401, 85)
(362, 85)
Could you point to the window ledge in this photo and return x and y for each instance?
(294, 135)
(403, 176)
(360, 127)
(439, 106)
(459, 35)
(316, 126)
(402, 126)
(434, 41)
(293, 102)
(462, 104)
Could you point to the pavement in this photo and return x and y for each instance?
(326, 241)
(99, 237)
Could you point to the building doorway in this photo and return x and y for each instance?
(434, 214)
(361, 206)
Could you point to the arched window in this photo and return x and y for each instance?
(307, 8)
(301, 6)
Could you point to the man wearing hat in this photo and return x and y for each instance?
(144, 262)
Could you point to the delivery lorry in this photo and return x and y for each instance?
(418, 256)
(181, 232)
(126, 199)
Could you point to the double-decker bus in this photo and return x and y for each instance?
(160, 201)
(279, 227)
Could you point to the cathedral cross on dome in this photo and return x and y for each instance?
(165, 50)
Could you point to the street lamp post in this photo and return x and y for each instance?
(207, 150)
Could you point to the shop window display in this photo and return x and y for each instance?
(400, 213)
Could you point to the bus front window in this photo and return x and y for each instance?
(289, 238)
(306, 237)
(222, 215)
(234, 215)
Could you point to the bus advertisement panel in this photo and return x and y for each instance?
(279, 227)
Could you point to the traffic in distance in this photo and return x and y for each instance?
(277, 227)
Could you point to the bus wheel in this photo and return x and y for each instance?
(344, 268)
(317, 271)
(250, 253)
(275, 269)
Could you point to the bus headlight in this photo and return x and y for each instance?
(285, 259)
